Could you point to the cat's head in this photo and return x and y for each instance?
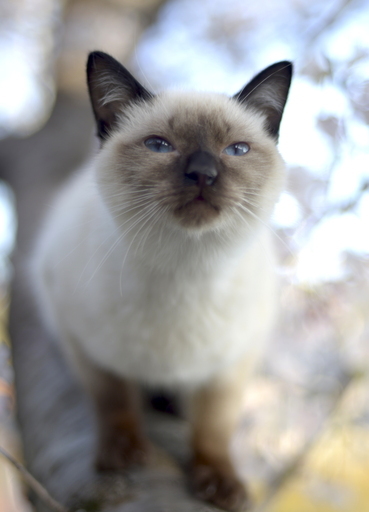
(198, 161)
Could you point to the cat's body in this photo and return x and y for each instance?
(155, 264)
(157, 327)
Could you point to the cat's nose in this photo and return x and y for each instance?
(201, 169)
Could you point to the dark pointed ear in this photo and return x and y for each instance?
(267, 93)
(111, 88)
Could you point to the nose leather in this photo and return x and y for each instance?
(201, 169)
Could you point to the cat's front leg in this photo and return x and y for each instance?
(121, 442)
(117, 403)
(215, 412)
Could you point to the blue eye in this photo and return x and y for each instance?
(238, 149)
(158, 145)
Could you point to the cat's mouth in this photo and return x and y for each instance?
(197, 212)
(199, 198)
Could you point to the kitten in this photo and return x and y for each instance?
(155, 264)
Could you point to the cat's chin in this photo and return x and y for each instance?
(198, 213)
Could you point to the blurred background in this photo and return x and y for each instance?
(306, 414)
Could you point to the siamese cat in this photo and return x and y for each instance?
(154, 266)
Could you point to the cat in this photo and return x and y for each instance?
(154, 265)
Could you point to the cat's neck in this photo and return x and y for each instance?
(165, 249)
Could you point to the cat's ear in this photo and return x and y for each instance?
(111, 89)
(267, 93)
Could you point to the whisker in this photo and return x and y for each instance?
(149, 229)
(123, 210)
(118, 240)
(129, 247)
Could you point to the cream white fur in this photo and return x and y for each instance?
(175, 309)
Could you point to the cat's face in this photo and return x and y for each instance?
(198, 161)
(176, 153)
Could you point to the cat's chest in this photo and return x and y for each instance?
(167, 332)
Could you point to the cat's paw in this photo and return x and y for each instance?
(221, 488)
(120, 451)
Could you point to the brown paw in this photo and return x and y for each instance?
(220, 488)
(121, 450)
